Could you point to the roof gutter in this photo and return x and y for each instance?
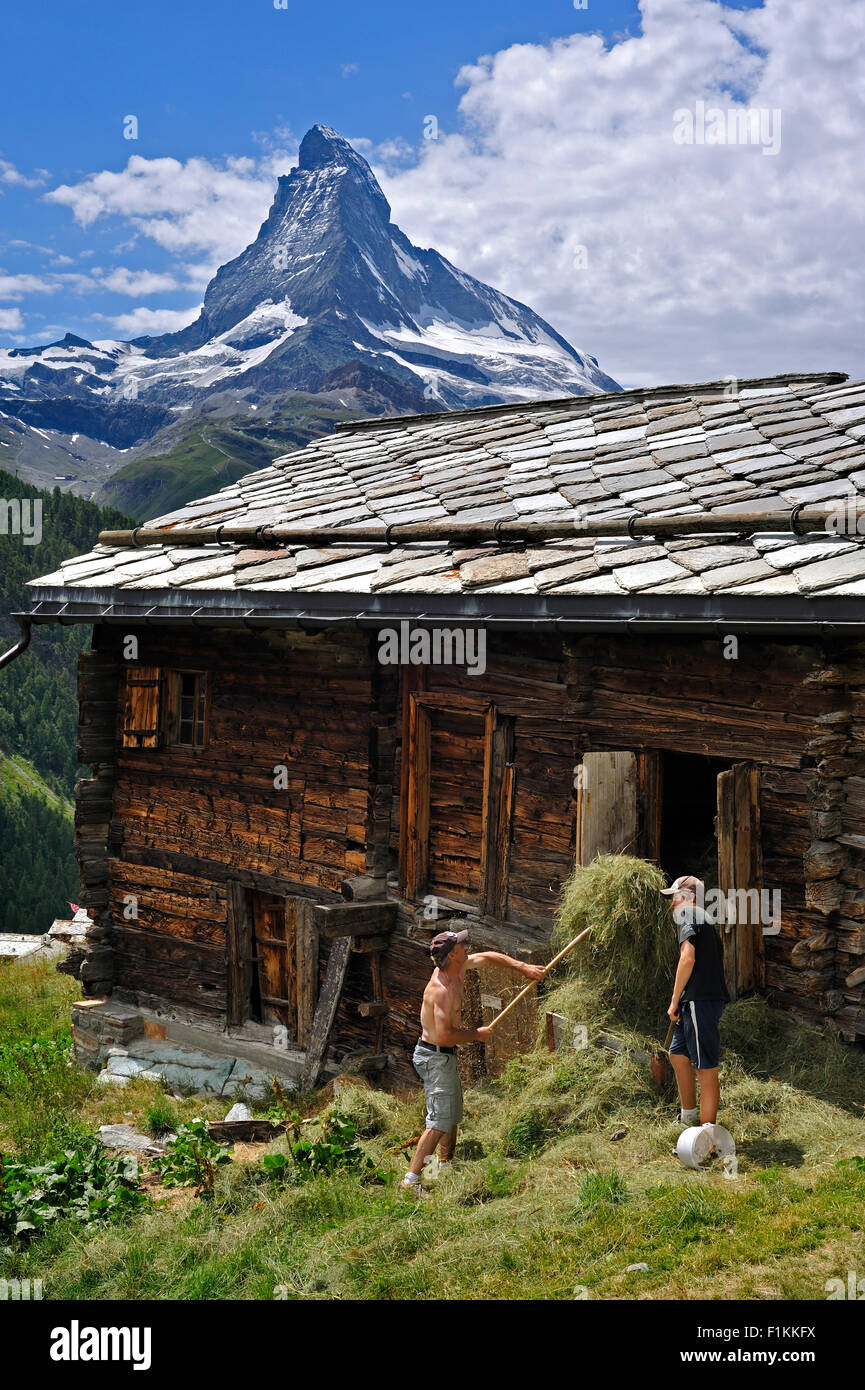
(841, 517)
(25, 622)
(710, 613)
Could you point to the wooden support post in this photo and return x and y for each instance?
(325, 1013)
(307, 972)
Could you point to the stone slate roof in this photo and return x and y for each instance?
(680, 450)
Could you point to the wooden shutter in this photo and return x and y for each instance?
(740, 872)
(607, 820)
(141, 709)
(171, 688)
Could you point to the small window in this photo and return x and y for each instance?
(186, 701)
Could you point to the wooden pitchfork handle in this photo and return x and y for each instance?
(523, 992)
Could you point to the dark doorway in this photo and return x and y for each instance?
(689, 843)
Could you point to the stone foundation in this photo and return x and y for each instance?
(121, 1042)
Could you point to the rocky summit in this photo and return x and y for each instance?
(331, 297)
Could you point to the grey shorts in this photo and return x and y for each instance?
(442, 1087)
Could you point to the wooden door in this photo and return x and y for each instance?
(274, 922)
(607, 791)
(740, 878)
(649, 805)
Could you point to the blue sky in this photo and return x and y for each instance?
(236, 80)
(202, 76)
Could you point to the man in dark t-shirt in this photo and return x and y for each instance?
(699, 996)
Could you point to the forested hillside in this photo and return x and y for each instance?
(39, 873)
(38, 715)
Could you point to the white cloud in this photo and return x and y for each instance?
(10, 320)
(193, 205)
(136, 282)
(17, 286)
(702, 260)
(143, 321)
(9, 174)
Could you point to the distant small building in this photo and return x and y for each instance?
(405, 676)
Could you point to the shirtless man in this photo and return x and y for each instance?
(435, 1056)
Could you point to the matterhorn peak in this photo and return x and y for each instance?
(323, 145)
(330, 297)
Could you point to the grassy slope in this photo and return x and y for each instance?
(544, 1203)
(214, 452)
(18, 777)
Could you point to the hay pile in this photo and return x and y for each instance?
(631, 954)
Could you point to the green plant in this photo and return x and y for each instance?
(527, 1135)
(280, 1167)
(40, 1090)
(191, 1159)
(515, 1075)
(160, 1117)
(86, 1185)
(602, 1187)
(336, 1150)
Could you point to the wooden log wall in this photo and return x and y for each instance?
(173, 828)
(186, 824)
(782, 706)
(842, 824)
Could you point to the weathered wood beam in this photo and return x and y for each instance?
(798, 520)
(354, 919)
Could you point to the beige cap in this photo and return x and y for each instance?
(687, 883)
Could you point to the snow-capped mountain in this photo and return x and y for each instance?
(330, 295)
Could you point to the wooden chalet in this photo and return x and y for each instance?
(278, 820)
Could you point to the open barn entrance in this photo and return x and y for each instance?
(689, 810)
(690, 814)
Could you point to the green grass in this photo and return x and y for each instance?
(19, 777)
(215, 451)
(543, 1203)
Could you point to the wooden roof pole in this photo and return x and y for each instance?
(834, 519)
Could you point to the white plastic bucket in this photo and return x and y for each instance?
(700, 1141)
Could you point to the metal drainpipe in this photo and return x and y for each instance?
(7, 658)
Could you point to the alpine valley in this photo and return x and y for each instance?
(331, 313)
